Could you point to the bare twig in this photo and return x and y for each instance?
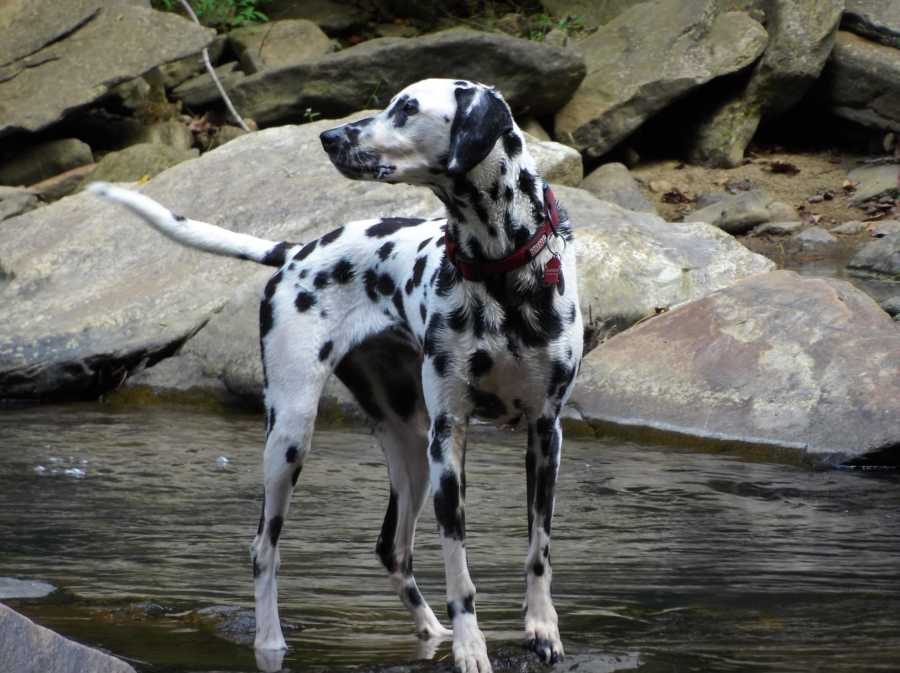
(212, 72)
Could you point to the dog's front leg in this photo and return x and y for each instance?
(542, 465)
(446, 455)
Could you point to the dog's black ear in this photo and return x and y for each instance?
(481, 118)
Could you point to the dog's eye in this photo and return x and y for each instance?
(411, 107)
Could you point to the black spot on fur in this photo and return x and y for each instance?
(343, 272)
(423, 312)
(179, 218)
(325, 350)
(404, 108)
(448, 278)
(450, 516)
(296, 475)
(512, 144)
(468, 604)
(331, 236)
(435, 325)
(275, 524)
(573, 312)
(306, 250)
(370, 281)
(390, 225)
(480, 363)
(478, 318)
(441, 430)
(385, 284)
(384, 548)
(458, 319)
(537, 568)
(275, 255)
(487, 405)
(321, 280)
(559, 376)
(528, 187)
(423, 244)
(413, 597)
(418, 271)
(398, 304)
(266, 312)
(494, 191)
(305, 301)
(256, 568)
(441, 361)
(271, 418)
(291, 454)
(440, 242)
(451, 611)
(385, 250)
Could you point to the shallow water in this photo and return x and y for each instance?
(669, 559)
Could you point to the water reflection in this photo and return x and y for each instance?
(694, 561)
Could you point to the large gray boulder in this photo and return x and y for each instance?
(630, 266)
(370, 73)
(877, 20)
(801, 35)
(89, 293)
(646, 58)
(278, 43)
(26, 647)
(40, 40)
(861, 82)
(809, 364)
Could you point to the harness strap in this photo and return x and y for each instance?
(476, 271)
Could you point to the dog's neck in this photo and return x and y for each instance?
(498, 205)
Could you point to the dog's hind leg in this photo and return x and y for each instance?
(294, 376)
(383, 375)
(405, 452)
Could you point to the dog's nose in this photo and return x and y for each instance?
(331, 139)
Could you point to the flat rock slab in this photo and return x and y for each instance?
(646, 58)
(370, 73)
(26, 647)
(41, 39)
(810, 364)
(877, 20)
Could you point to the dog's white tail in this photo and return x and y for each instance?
(192, 233)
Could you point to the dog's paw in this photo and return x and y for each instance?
(543, 639)
(470, 651)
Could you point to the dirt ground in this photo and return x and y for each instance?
(788, 176)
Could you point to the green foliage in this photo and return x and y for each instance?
(225, 13)
(541, 24)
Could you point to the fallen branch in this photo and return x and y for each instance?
(212, 72)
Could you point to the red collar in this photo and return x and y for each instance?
(476, 271)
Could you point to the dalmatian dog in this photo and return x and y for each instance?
(429, 323)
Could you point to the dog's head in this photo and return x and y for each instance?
(431, 128)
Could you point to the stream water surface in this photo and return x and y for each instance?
(664, 559)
